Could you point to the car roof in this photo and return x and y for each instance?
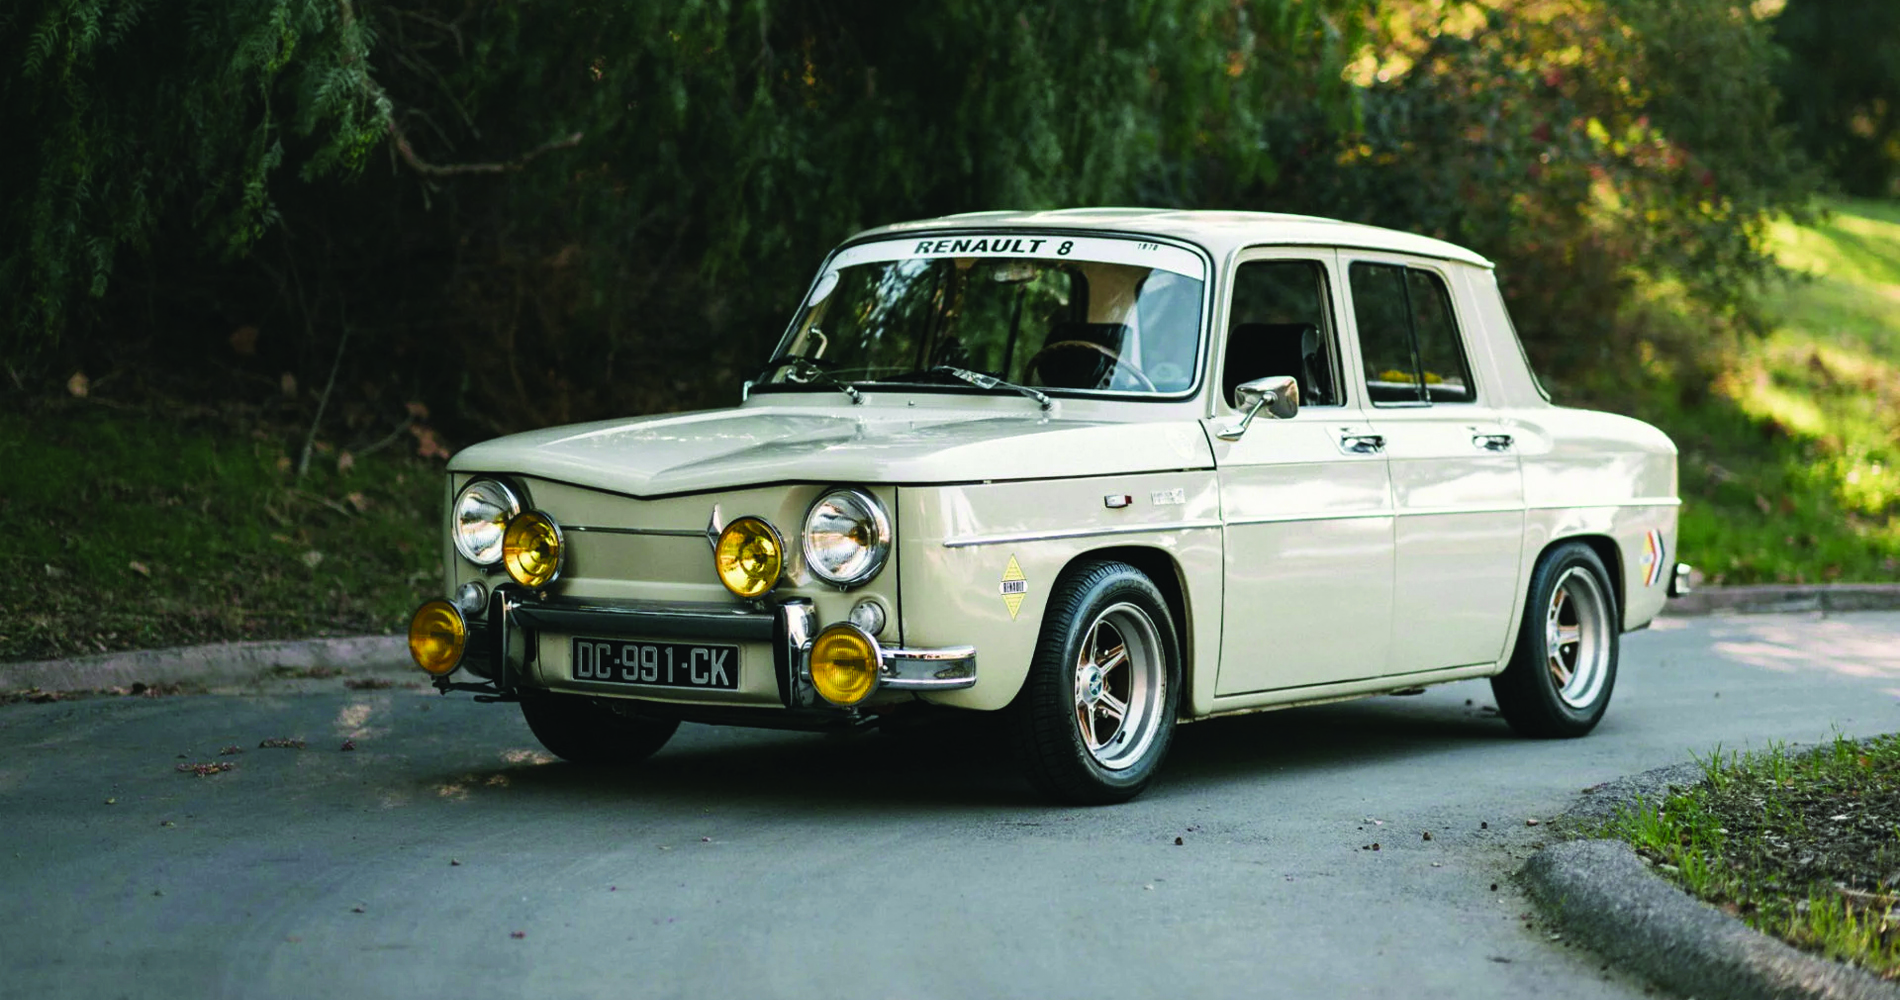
(1220, 232)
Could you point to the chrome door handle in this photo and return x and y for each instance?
(1492, 442)
(1362, 444)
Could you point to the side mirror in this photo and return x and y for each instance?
(1279, 395)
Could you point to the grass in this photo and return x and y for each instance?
(140, 527)
(1801, 845)
(1790, 441)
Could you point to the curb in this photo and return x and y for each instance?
(1603, 894)
(1827, 598)
(218, 663)
(1600, 891)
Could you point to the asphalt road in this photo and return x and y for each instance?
(447, 856)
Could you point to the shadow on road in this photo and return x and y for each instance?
(956, 763)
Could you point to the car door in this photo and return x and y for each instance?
(1308, 555)
(1456, 480)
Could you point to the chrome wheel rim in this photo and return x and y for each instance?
(1120, 686)
(1576, 637)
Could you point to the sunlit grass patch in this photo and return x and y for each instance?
(1791, 441)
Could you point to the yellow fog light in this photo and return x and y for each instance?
(437, 637)
(531, 549)
(749, 557)
(844, 663)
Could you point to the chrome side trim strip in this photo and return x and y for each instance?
(1351, 515)
(951, 668)
(1044, 536)
(668, 532)
(1516, 508)
(1638, 502)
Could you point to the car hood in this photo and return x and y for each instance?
(752, 445)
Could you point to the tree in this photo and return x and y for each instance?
(1842, 87)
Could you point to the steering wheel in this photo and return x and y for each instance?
(1074, 345)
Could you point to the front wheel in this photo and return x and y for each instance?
(578, 729)
(1096, 713)
(1561, 673)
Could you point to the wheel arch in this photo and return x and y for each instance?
(1606, 549)
(1160, 566)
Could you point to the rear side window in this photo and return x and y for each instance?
(1408, 336)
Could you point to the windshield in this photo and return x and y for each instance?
(1059, 312)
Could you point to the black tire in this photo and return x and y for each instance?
(1534, 693)
(576, 728)
(1045, 720)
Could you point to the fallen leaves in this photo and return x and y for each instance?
(244, 341)
(368, 683)
(427, 444)
(203, 768)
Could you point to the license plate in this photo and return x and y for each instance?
(661, 664)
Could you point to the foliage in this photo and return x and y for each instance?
(1842, 80)
(1584, 145)
(120, 111)
(609, 206)
(730, 144)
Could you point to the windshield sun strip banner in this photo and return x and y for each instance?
(1098, 249)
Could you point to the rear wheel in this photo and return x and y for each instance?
(1561, 674)
(1096, 714)
(579, 729)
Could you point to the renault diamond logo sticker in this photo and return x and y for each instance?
(1014, 587)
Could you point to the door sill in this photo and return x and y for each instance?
(1317, 694)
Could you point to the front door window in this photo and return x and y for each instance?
(1281, 324)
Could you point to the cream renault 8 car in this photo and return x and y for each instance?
(1104, 471)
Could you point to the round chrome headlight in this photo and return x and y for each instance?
(847, 537)
(480, 517)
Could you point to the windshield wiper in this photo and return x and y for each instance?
(809, 369)
(982, 381)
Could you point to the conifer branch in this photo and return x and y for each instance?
(386, 110)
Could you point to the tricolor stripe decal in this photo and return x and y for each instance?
(1654, 553)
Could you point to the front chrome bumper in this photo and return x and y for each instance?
(788, 627)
